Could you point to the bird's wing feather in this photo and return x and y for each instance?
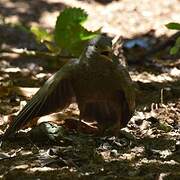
(127, 86)
(55, 94)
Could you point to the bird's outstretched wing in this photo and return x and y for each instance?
(56, 93)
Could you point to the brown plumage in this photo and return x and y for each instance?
(101, 85)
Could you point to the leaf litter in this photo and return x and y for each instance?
(148, 148)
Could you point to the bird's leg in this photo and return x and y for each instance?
(113, 129)
(85, 126)
(79, 125)
(88, 127)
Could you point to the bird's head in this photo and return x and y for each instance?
(100, 46)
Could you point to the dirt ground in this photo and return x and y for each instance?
(148, 148)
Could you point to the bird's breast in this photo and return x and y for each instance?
(94, 87)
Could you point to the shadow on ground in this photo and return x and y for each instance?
(28, 11)
(152, 157)
(91, 158)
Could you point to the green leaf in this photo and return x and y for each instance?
(69, 32)
(41, 34)
(178, 42)
(176, 48)
(52, 47)
(172, 25)
(173, 50)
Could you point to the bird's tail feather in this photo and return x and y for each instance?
(24, 117)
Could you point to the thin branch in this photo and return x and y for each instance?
(41, 54)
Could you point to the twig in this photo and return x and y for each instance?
(41, 54)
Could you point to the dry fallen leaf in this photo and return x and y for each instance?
(21, 91)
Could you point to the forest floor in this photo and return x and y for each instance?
(148, 148)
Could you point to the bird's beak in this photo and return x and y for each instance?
(107, 53)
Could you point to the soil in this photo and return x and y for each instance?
(148, 148)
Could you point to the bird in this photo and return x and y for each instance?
(99, 83)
